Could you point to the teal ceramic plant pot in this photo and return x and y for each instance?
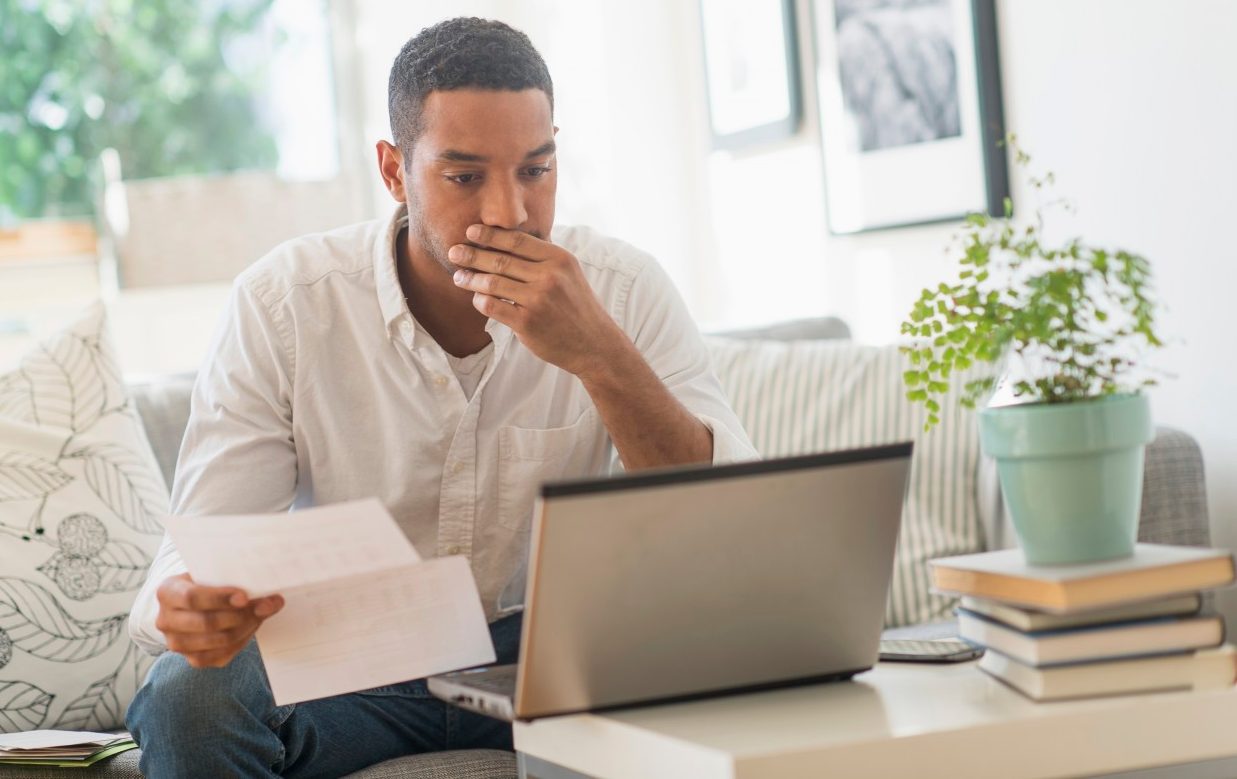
(1071, 474)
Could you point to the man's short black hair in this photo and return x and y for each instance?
(460, 53)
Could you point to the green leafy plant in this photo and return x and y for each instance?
(169, 84)
(1076, 317)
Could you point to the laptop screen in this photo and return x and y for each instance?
(682, 581)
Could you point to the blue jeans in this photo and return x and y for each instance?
(223, 722)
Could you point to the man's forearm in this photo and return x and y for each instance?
(648, 424)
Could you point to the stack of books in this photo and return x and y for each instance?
(1107, 628)
(61, 748)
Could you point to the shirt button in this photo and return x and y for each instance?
(457, 467)
(453, 550)
(441, 381)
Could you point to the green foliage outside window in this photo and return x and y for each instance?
(169, 84)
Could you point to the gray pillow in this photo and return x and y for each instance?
(164, 408)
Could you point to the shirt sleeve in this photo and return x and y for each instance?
(661, 327)
(238, 455)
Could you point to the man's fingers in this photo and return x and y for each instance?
(268, 606)
(214, 658)
(214, 598)
(209, 625)
(499, 310)
(488, 261)
(187, 621)
(494, 286)
(512, 241)
(182, 593)
(194, 643)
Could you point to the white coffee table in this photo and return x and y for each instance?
(896, 720)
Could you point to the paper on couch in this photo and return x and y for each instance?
(361, 610)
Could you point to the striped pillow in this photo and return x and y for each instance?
(796, 397)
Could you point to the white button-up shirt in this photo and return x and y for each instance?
(321, 387)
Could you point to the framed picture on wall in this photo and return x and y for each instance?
(910, 111)
(752, 69)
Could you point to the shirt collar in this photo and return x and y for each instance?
(386, 278)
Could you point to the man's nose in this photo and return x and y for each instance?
(503, 204)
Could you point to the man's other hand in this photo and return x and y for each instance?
(538, 289)
(209, 625)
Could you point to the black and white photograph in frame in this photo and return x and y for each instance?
(910, 111)
(751, 67)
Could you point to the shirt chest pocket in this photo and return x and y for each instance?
(529, 457)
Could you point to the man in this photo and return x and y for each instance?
(447, 360)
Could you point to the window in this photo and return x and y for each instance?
(175, 86)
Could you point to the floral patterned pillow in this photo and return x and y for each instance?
(81, 499)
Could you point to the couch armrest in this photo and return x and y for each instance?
(1174, 502)
(1174, 507)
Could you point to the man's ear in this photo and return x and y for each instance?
(391, 168)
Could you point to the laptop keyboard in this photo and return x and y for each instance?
(499, 679)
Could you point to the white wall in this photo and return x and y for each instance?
(1133, 104)
(625, 78)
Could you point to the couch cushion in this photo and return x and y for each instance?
(81, 501)
(459, 764)
(122, 766)
(817, 396)
(813, 329)
(163, 405)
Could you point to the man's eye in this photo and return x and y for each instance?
(464, 178)
(537, 171)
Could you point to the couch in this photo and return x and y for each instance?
(1173, 508)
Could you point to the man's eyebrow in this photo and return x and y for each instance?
(455, 155)
(546, 148)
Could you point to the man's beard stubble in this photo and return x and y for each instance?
(428, 243)
(435, 248)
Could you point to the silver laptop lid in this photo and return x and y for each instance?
(686, 581)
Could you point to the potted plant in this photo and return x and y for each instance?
(1065, 327)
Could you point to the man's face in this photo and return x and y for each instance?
(483, 157)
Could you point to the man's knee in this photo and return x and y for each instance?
(177, 695)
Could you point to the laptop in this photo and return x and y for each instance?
(695, 581)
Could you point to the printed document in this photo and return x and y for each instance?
(51, 739)
(361, 609)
